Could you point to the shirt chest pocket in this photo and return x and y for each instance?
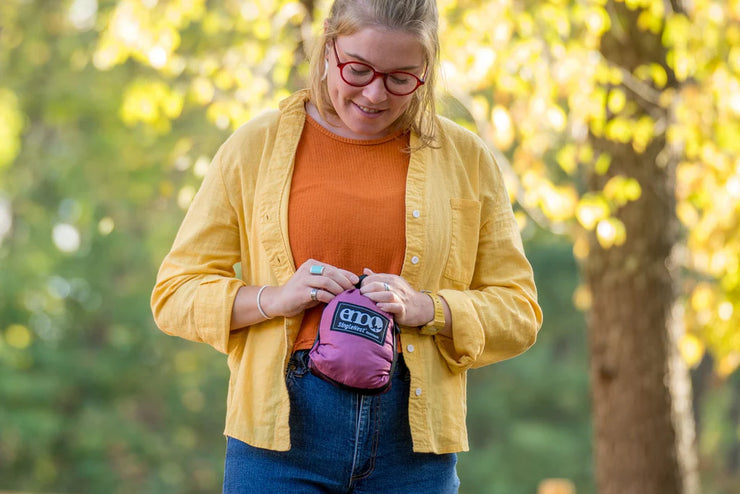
(464, 233)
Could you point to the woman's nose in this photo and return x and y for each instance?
(375, 91)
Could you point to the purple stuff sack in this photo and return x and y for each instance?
(355, 347)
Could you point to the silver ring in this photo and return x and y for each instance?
(314, 293)
(387, 288)
(316, 269)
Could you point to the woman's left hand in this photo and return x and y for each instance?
(394, 295)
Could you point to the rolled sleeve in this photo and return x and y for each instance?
(467, 343)
(488, 326)
(213, 304)
(196, 285)
(498, 316)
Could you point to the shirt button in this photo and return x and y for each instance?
(415, 260)
(416, 213)
(410, 348)
(418, 391)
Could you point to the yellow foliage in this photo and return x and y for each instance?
(725, 311)
(503, 128)
(676, 35)
(151, 102)
(616, 100)
(703, 297)
(567, 159)
(597, 20)
(643, 132)
(558, 203)
(18, 336)
(106, 226)
(728, 364)
(591, 209)
(534, 81)
(185, 197)
(582, 298)
(202, 90)
(610, 232)
(692, 349)
(581, 246)
(620, 190)
(652, 72)
(479, 108)
(521, 220)
(636, 4)
(11, 125)
(619, 129)
(733, 60)
(687, 214)
(557, 118)
(586, 155)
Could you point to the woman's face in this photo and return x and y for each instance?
(368, 112)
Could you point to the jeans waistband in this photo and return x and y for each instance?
(299, 362)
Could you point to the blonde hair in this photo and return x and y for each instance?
(416, 17)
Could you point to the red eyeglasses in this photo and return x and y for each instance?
(359, 74)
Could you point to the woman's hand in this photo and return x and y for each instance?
(314, 282)
(394, 295)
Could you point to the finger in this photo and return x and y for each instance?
(368, 271)
(313, 294)
(318, 295)
(376, 286)
(350, 277)
(381, 297)
(345, 279)
(334, 280)
(390, 307)
(322, 296)
(370, 287)
(339, 281)
(329, 285)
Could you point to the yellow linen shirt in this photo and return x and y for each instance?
(461, 241)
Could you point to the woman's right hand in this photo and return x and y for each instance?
(294, 297)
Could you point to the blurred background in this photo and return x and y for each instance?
(110, 111)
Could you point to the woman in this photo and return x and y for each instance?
(355, 176)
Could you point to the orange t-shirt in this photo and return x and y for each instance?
(347, 207)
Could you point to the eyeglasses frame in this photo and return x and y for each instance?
(340, 65)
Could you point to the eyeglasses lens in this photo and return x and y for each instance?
(359, 74)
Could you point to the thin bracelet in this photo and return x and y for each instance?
(259, 306)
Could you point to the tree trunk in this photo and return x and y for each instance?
(643, 419)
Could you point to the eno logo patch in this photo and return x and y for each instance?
(360, 321)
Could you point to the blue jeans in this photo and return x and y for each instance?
(342, 442)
